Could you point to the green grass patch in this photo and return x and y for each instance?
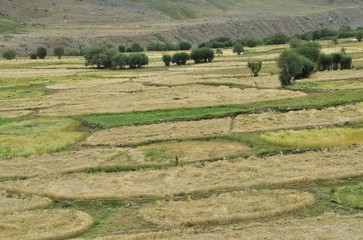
(37, 136)
(172, 9)
(328, 85)
(8, 25)
(324, 137)
(351, 196)
(7, 93)
(313, 100)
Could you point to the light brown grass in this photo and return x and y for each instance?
(14, 114)
(337, 75)
(44, 224)
(325, 227)
(295, 119)
(11, 202)
(227, 208)
(279, 169)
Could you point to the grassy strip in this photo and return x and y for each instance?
(351, 196)
(313, 100)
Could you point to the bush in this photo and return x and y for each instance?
(345, 62)
(291, 65)
(99, 55)
(119, 61)
(295, 42)
(59, 52)
(72, 52)
(308, 68)
(180, 58)
(238, 48)
(33, 55)
(325, 62)
(121, 48)
(221, 42)
(277, 38)
(359, 35)
(311, 50)
(202, 55)
(185, 46)
(136, 47)
(42, 52)
(336, 59)
(167, 59)
(249, 42)
(137, 60)
(255, 67)
(9, 54)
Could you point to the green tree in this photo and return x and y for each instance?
(33, 55)
(180, 58)
(9, 54)
(167, 59)
(119, 61)
(277, 38)
(346, 62)
(325, 62)
(42, 52)
(255, 67)
(136, 47)
(202, 55)
(359, 35)
(185, 46)
(137, 60)
(238, 48)
(100, 55)
(336, 59)
(59, 52)
(291, 65)
(121, 48)
(308, 68)
(311, 50)
(295, 42)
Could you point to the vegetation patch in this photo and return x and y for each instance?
(328, 226)
(12, 202)
(37, 136)
(324, 137)
(351, 196)
(44, 224)
(20, 92)
(328, 85)
(227, 208)
(8, 25)
(221, 175)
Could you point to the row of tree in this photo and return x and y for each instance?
(199, 55)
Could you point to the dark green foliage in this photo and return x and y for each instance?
(318, 34)
(359, 35)
(325, 62)
(308, 68)
(336, 57)
(137, 60)
(180, 58)
(295, 42)
(238, 48)
(161, 47)
(9, 54)
(277, 38)
(249, 42)
(33, 55)
(185, 46)
(99, 55)
(42, 52)
(291, 65)
(136, 47)
(255, 67)
(119, 61)
(345, 62)
(311, 50)
(167, 59)
(72, 52)
(59, 52)
(121, 48)
(345, 31)
(221, 42)
(202, 55)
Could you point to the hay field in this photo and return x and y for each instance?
(227, 208)
(221, 175)
(13, 114)
(37, 136)
(328, 226)
(11, 203)
(44, 224)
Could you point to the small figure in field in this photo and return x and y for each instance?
(176, 161)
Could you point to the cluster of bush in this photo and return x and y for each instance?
(169, 46)
(329, 34)
(105, 56)
(304, 57)
(198, 55)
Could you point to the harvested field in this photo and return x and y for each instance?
(77, 102)
(44, 224)
(164, 131)
(328, 226)
(14, 114)
(11, 202)
(38, 136)
(325, 137)
(338, 75)
(164, 153)
(330, 85)
(295, 119)
(227, 208)
(222, 175)
(57, 163)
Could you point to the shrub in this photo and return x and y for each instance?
(121, 48)
(336, 59)
(136, 47)
(59, 52)
(291, 65)
(119, 61)
(137, 60)
(325, 62)
(185, 46)
(99, 55)
(249, 42)
(9, 54)
(359, 35)
(255, 67)
(311, 50)
(238, 48)
(277, 38)
(180, 58)
(33, 55)
(72, 52)
(295, 42)
(345, 62)
(202, 55)
(167, 59)
(42, 52)
(308, 68)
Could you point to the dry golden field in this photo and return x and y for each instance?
(99, 147)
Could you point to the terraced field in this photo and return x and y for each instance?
(183, 152)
